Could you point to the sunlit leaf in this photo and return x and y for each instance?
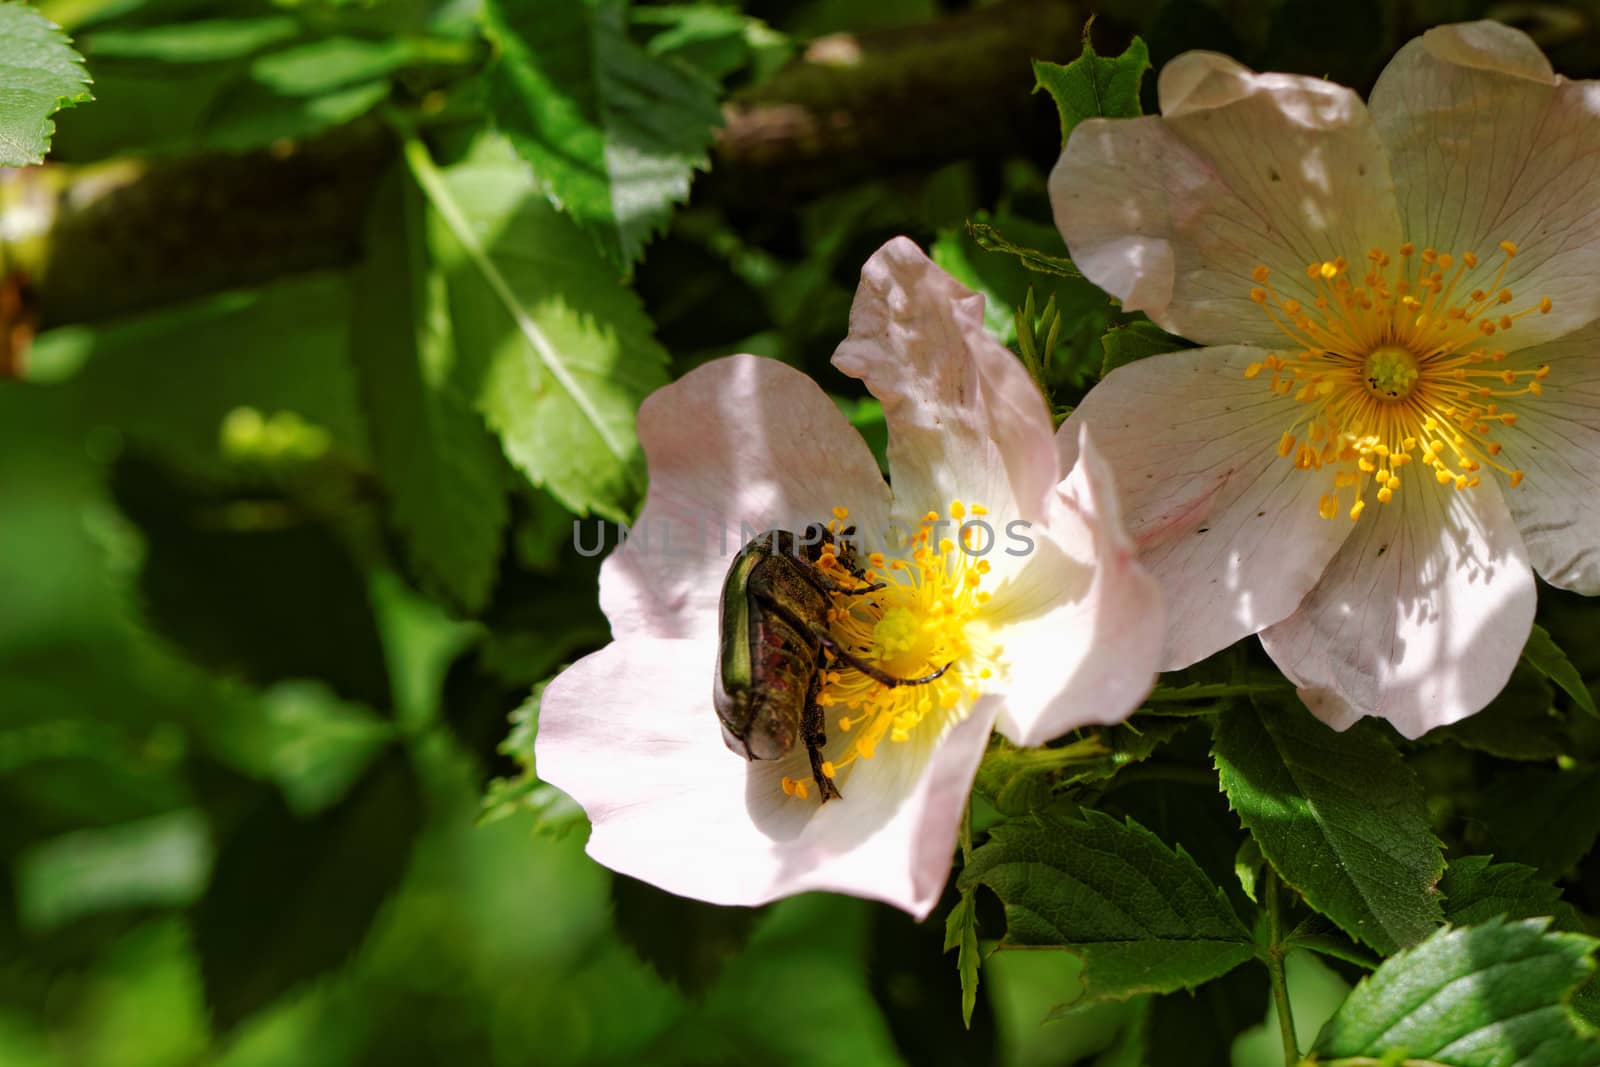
(162, 861)
(1093, 86)
(614, 133)
(432, 451)
(561, 354)
(1470, 997)
(1339, 816)
(1144, 918)
(39, 75)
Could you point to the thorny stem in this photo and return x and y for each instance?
(1274, 962)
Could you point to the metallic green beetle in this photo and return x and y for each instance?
(770, 665)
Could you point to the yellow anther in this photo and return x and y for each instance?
(958, 510)
(788, 785)
(1516, 479)
(979, 509)
(840, 513)
(1385, 370)
(1328, 506)
(827, 769)
(1545, 305)
(1508, 248)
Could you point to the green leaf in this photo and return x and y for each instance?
(562, 353)
(1316, 934)
(1092, 87)
(39, 75)
(201, 41)
(1544, 817)
(1518, 724)
(717, 41)
(302, 737)
(329, 64)
(1340, 817)
(432, 452)
(961, 933)
(1143, 918)
(1548, 659)
(554, 813)
(1469, 997)
(991, 240)
(1137, 340)
(295, 897)
(161, 861)
(1476, 889)
(614, 134)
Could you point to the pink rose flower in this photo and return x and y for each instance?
(1063, 633)
(1401, 302)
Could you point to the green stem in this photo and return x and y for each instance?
(1274, 962)
(1088, 750)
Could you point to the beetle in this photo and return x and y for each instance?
(773, 630)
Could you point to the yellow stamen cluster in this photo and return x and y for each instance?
(925, 619)
(1395, 366)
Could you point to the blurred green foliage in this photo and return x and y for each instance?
(283, 569)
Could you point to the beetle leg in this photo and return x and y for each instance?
(813, 728)
(874, 673)
(828, 585)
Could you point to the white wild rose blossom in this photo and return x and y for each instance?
(1035, 644)
(1398, 421)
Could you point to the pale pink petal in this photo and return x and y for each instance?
(1487, 145)
(1171, 214)
(1228, 528)
(735, 447)
(1421, 616)
(1081, 625)
(1556, 443)
(629, 732)
(966, 422)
